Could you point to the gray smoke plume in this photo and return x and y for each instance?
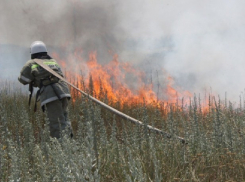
(199, 43)
(60, 23)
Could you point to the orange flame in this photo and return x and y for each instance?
(119, 82)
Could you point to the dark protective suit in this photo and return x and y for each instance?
(54, 93)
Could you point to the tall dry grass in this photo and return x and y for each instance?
(107, 148)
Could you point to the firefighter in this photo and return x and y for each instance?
(53, 93)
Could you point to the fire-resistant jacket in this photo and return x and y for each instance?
(39, 77)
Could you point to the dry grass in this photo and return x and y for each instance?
(107, 148)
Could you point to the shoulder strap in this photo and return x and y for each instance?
(31, 91)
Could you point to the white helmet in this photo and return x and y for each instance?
(37, 47)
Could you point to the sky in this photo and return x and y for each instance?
(199, 43)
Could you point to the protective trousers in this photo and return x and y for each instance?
(57, 112)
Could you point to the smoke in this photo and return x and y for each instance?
(60, 23)
(199, 43)
(208, 48)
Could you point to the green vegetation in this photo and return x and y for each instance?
(107, 148)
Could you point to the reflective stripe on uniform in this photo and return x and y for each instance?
(54, 98)
(25, 79)
(46, 62)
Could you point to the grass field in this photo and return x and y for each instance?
(108, 148)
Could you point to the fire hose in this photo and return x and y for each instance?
(102, 104)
